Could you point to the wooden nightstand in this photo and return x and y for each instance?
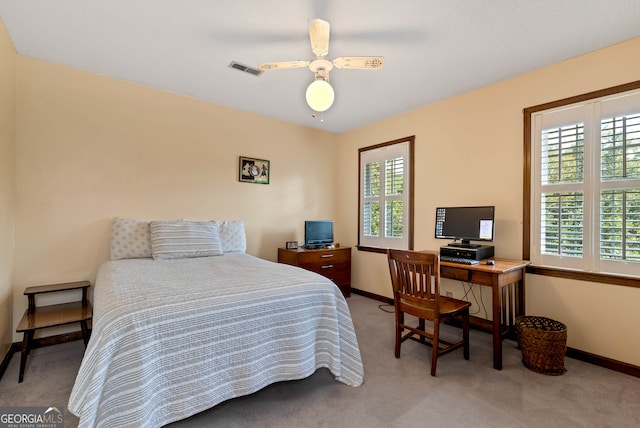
(334, 263)
(35, 318)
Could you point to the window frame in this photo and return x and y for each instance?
(528, 186)
(408, 225)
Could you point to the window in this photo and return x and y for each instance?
(582, 205)
(385, 196)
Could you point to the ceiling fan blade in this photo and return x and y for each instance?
(319, 35)
(283, 65)
(371, 62)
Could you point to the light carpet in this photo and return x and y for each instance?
(395, 393)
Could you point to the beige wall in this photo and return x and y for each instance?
(7, 140)
(90, 148)
(469, 150)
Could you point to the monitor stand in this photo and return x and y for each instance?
(464, 244)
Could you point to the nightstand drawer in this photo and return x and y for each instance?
(339, 276)
(333, 263)
(330, 270)
(321, 257)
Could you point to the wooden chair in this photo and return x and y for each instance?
(415, 277)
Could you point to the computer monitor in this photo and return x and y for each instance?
(465, 224)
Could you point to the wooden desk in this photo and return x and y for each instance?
(506, 279)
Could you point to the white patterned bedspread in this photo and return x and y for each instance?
(172, 338)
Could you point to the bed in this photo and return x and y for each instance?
(174, 337)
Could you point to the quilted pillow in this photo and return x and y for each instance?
(183, 239)
(233, 236)
(130, 239)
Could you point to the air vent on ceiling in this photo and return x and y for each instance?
(245, 68)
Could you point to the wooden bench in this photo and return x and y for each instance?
(35, 318)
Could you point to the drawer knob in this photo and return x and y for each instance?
(324, 256)
(327, 266)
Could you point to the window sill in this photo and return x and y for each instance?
(627, 281)
(372, 249)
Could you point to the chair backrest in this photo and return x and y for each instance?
(415, 277)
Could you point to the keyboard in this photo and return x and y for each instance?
(459, 260)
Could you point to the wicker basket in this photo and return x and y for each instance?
(543, 342)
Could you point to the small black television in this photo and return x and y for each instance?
(465, 224)
(318, 233)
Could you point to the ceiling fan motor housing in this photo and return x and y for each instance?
(321, 68)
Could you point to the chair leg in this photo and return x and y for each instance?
(399, 320)
(421, 324)
(465, 334)
(435, 347)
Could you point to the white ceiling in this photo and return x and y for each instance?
(434, 49)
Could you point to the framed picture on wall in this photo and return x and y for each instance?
(252, 170)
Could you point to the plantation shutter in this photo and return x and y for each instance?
(384, 196)
(620, 197)
(586, 185)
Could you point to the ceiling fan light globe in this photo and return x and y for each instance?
(320, 95)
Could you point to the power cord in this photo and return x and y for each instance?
(478, 303)
(466, 297)
(385, 305)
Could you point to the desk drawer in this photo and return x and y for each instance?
(483, 278)
(455, 273)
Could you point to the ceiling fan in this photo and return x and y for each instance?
(320, 94)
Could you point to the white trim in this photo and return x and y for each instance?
(381, 154)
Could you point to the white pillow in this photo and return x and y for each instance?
(233, 237)
(130, 239)
(182, 239)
